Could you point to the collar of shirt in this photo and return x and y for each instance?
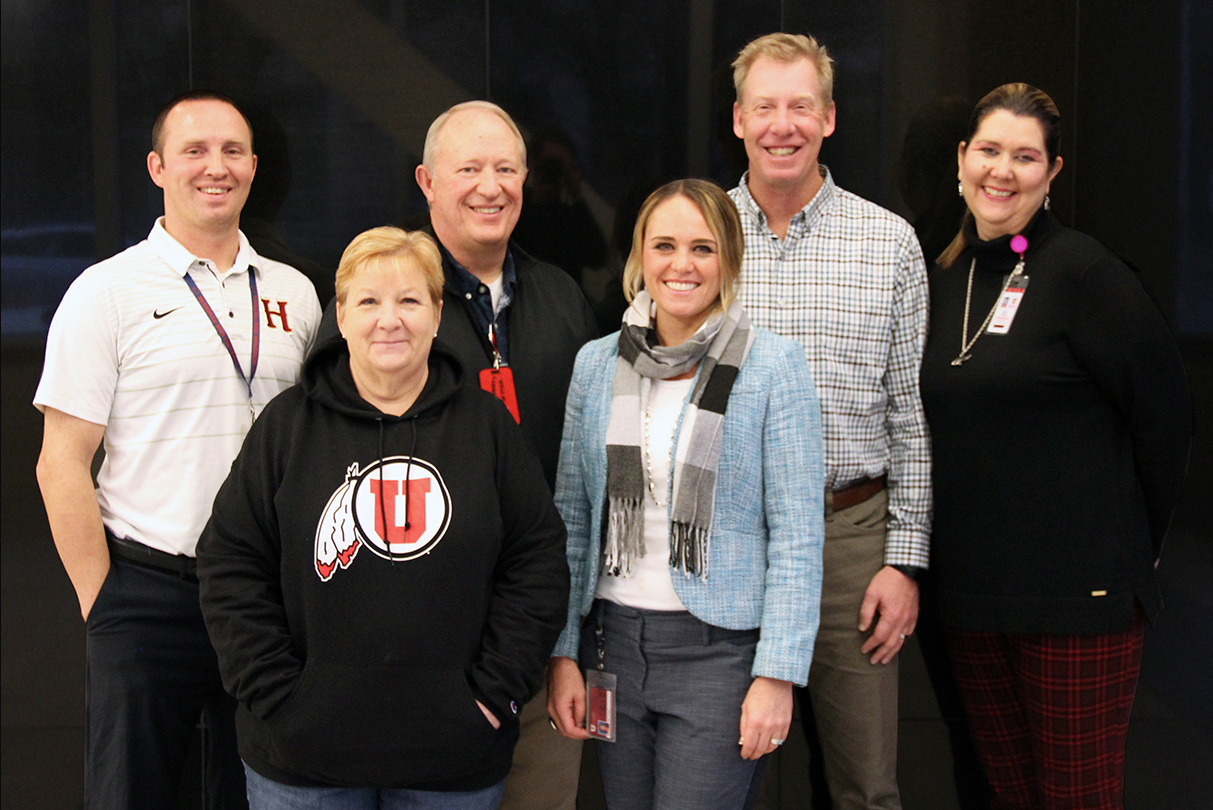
(806, 218)
(176, 256)
(480, 300)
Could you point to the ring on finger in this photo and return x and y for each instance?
(777, 742)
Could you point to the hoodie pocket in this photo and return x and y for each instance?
(383, 726)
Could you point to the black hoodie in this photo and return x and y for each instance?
(358, 662)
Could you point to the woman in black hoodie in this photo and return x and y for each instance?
(383, 576)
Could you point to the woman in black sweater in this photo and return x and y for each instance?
(1060, 421)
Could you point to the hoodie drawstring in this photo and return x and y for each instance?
(408, 473)
(387, 538)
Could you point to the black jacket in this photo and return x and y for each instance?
(549, 320)
(355, 662)
(1059, 448)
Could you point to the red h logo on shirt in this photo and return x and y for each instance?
(280, 312)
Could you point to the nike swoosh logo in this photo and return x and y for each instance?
(157, 314)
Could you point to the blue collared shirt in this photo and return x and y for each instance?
(477, 294)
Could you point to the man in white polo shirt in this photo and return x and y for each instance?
(167, 352)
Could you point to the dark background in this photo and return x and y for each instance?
(643, 90)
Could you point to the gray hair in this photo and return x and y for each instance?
(431, 137)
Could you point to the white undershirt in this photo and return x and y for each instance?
(649, 585)
(496, 288)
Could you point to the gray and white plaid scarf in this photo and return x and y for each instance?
(721, 345)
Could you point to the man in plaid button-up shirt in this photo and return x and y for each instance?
(846, 279)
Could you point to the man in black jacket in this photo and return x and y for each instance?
(515, 324)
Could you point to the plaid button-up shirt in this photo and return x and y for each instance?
(848, 282)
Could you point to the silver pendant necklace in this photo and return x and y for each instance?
(648, 456)
(965, 342)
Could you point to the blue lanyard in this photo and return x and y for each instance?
(227, 341)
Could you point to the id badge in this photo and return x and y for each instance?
(500, 383)
(600, 705)
(1008, 305)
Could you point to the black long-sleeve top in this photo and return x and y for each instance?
(1059, 448)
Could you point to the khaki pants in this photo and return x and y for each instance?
(547, 765)
(854, 701)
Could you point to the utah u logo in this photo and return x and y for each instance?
(398, 508)
(389, 495)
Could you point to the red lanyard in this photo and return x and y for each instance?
(227, 341)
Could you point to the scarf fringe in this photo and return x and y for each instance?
(689, 549)
(625, 535)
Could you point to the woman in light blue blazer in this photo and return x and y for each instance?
(691, 484)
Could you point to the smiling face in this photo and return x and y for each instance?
(474, 186)
(681, 266)
(205, 166)
(782, 116)
(1005, 172)
(388, 318)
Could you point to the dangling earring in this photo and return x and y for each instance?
(960, 188)
(1046, 202)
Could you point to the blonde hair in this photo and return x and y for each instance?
(430, 149)
(387, 244)
(786, 48)
(722, 220)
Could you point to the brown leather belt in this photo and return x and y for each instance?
(856, 493)
(137, 553)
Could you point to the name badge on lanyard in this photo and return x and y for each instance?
(227, 341)
(499, 380)
(1008, 304)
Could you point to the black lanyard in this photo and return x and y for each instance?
(227, 341)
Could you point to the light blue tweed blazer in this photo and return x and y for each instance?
(767, 531)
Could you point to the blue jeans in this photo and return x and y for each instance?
(266, 794)
(681, 684)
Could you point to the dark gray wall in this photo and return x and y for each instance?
(644, 91)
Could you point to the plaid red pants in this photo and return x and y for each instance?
(1049, 713)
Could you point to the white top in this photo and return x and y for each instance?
(130, 348)
(649, 586)
(496, 289)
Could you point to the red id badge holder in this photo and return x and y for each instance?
(499, 381)
(600, 696)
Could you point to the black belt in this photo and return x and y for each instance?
(136, 553)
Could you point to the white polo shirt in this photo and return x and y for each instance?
(131, 348)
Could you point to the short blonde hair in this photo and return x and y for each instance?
(389, 243)
(722, 219)
(786, 48)
(435, 131)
